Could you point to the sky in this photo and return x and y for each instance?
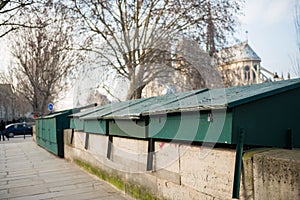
(271, 32)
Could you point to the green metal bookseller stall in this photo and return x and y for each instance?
(256, 115)
(260, 115)
(95, 124)
(267, 113)
(76, 121)
(50, 129)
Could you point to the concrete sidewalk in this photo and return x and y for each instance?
(29, 172)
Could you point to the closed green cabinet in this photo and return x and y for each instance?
(50, 132)
(212, 126)
(128, 128)
(95, 126)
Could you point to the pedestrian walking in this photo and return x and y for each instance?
(2, 130)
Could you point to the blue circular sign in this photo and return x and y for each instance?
(50, 106)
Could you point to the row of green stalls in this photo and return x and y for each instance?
(260, 115)
(50, 128)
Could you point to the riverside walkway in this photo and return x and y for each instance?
(29, 172)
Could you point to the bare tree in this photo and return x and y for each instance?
(12, 14)
(43, 57)
(96, 97)
(197, 66)
(219, 24)
(296, 60)
(22, 108)
(136, 38)
(297, 23)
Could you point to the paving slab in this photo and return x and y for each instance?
(28, 171)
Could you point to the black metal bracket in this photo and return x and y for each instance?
(72, 136)
(151, 149)
(86, 146)
(238, 165)
(109, 146)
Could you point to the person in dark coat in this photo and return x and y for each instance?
(2, 130)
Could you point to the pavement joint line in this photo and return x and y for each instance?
(52, 177)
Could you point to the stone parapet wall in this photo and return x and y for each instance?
(277, 174)
(183, 171)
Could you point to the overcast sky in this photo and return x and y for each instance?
(271, 32)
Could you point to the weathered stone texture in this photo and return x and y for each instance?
(184, 171)
(277, 175)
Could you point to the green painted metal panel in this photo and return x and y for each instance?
(41, 132)
(203, 100)
(193, 126)
(245, 94)
(40, 129)
(153, 103)
(226, 97)
(52, 147)
(52, 131)
(89, 111)
(175, 116)
(95, 126)
(111, 108)
(45, 130)
(128, 128)
(72, 123)
(65, 121)
(62, 122)
(77, 123)
(267, 120)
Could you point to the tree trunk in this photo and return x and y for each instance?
(138, 93)
(135, 90)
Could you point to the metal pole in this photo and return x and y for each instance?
(86, 146)
(109, 146)
(238, 165)
(151, 150)
(24, 132)
(72, 136)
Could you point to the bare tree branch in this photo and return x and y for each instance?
(3, 3)
(137, 38)
(43, 55)
(296, 59)
(109, 92)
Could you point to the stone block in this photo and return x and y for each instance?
(277, 174)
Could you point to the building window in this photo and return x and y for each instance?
(254, 72)
(255, 67)
(247, 72)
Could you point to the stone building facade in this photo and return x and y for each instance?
(233, 66)
(239, 65)
(6, 101)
